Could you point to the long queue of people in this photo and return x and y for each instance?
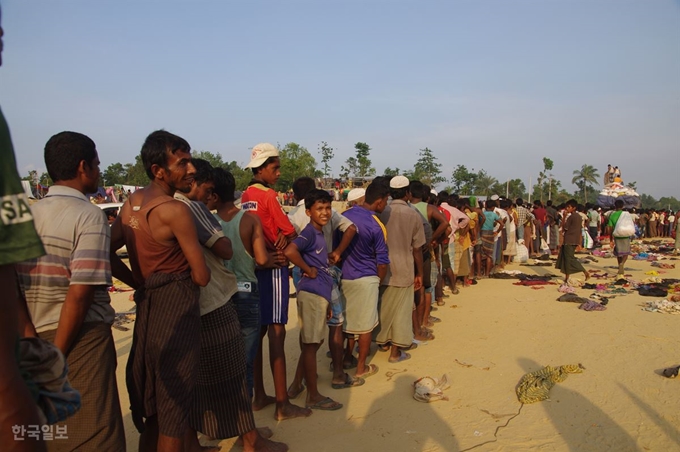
(212, 281)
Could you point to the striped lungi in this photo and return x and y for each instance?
(488, 244)
(221, 407)
(621, 246)
(163, 363)
(98, 425)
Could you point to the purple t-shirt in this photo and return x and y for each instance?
(312, 247)
(368, 248)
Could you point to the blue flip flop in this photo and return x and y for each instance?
(402, 357)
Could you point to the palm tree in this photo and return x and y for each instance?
(586, 175)
(484, 183)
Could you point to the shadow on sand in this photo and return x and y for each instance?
(411, 426)
(666, 426)
(581, 424)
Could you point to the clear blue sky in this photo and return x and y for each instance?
(493, 85)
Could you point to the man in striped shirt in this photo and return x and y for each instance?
(66, 290)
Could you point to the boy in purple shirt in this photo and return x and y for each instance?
(308, 251)
(365, 264)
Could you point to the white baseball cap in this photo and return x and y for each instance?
(260, 153)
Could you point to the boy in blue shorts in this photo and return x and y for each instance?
(309, 252)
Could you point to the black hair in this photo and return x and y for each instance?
(399, 193)
(156, 147)
(315, 196)
(376, 191)
(618, 203)
(572, 203)
(538, 203)
(382, 180)
(427, 193)
(549, 203)
(490, 203)
(64, 152)
(302, 186)
(204, 171)
(416, 188)
(266, 162)
(519, 201)
(443, 196)
(504, 203)
(224, 184)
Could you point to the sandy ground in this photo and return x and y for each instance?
(490, 335)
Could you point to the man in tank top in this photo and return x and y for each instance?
(167, 269)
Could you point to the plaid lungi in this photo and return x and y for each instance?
(221, 407)
(163, 363)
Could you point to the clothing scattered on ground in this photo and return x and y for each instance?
(533, 282)
(662, 306)
(649, 290)
(572, 297)
(591, 305)
(122, 319)
(535, 386)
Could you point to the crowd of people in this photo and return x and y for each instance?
(211, 279)
(210, 287)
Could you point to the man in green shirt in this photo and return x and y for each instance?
(621, 245)
(18, 242)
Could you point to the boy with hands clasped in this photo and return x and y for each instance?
(309, 252)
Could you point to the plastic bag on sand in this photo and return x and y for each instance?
(522, 255)
(428, 389)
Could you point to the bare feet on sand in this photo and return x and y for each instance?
(258, 404)
(264, 432)
(258, 441)
(290, 411)
(265, 445)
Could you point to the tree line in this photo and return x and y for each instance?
(297, 161)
